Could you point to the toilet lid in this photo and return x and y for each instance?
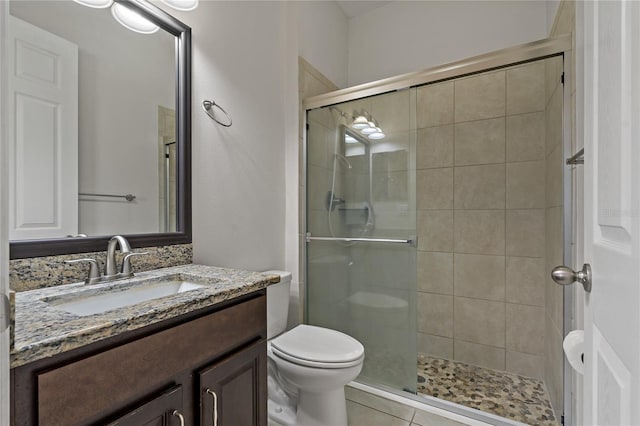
(319, 345)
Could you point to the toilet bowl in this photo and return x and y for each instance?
(308, 367)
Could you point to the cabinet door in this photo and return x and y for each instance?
(233, 391)
(165, 410)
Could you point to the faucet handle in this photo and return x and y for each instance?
(126, 269)
(94, 273)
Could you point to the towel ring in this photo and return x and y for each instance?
(207, 106)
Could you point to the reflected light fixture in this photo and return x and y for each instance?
(183, 5)
(367, 125)
(372, 127)
(377, 134)
(97, 4)
(132, 20)
(360, 122)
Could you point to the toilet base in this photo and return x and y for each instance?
(281, 414)
(322, 409)
(313, 409)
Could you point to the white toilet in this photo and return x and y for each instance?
(308, 366)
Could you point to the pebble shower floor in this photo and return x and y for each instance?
(505, 394)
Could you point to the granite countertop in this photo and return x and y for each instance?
(41, 330)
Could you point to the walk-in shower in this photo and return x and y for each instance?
(434, 209)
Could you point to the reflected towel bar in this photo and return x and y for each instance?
(577, 158)
(410, 241)
(128, 197)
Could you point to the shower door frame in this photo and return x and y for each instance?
(528, 52)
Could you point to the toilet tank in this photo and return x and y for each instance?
(278, 303)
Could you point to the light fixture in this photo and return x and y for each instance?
(184, 5)
(360, 122)
(98, 4)
(132, 20)
(377, 134)
(350, 139)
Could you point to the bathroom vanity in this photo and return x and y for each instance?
(196, 357)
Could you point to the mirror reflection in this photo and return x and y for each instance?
(92, 124)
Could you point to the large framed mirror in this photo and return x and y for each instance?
(99, 128)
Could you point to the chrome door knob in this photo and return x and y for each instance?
(564, 275)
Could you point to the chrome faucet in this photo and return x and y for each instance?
(110, 269)
(110, 265)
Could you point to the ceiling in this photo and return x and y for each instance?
(355, 8)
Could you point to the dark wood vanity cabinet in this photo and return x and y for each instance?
(142, 377)
(230, 390)
(165, 410)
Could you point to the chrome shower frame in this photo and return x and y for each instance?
(529, 52)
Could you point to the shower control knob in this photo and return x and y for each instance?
(564, 275)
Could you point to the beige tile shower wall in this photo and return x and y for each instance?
(554, 356)
(481, 219)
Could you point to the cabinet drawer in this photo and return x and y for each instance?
(102, 384)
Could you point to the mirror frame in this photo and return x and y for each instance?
(21, 249)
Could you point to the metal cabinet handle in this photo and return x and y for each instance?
(179, 416)
(564, 275)
(215, 406)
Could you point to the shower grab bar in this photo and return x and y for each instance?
(410, 241)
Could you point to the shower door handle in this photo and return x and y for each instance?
(412, 241)
(564, 275)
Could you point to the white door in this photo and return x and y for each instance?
(43, 133)
(609, 117)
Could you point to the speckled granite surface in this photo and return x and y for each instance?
(508, 395)
(49, 271)
(41, 330)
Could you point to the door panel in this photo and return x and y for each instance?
(43, 133)
(364, 188)
(608, 38)
(233, 391)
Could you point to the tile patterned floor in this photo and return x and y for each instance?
(508, 395)
(365, 409)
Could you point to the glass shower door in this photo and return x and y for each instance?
(361, 253)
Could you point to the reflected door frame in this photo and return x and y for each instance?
(4, 225)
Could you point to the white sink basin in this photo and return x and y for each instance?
(84, 305)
